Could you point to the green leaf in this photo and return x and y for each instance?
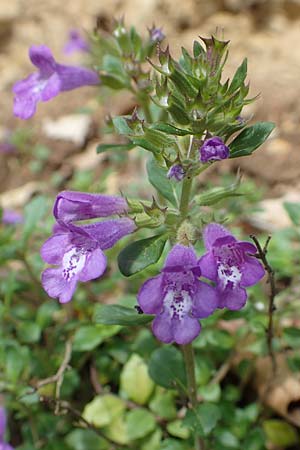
(135, 382)
(292, 336)
(228, 440)
(280, 433)
(88, 337)
(208, 415)
(140, 422)
(144, 143)
(239, 77)
(85, 439)
(33, 213)
(103, 410)
(163, 404)
(117, 430)
(119, 315)
(153, 442)
(115, 147)
(211, 392)
(177, 429)
(174, 444)
(255, 440)
(29, 332)
(158, 178)
(166, 368)
(121, 125)
(45, 313)
(293, 210)
(140, 254)
(250, 139)
(170, 129)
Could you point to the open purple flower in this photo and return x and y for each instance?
(213, 149)
(230, 264)
(51, 79)
(76, 43)
(72, 206)
(176, 172)
(178, 297)
(78, 253)
(156, 34)
(3, 445)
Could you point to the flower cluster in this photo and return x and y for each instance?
(77, 249)
(3, 444)
(178, 298)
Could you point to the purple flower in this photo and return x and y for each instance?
(230, 264)
(213, 149)
(11, 217)
(72, 206)
(3, 445)
(78, 253)
(178, 298)
(156, 34)
(76, 43)
(176, 172)
(51, 79)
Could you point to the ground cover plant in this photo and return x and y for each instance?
(156, 325)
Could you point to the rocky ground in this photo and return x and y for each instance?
(266, 31)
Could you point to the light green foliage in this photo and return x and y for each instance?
(135, 381)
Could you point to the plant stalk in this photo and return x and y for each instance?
(188, 354)
(185, 197)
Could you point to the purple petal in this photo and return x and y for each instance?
(205, 300)
(76, 43)
(54, 248)
(2, 422)
(108, 232)
(56, 286)
(94, 267)
(26, 99)
(5, 446)
(181, 257)
(72, 206)
(233, 299)
(73, 77)
(212, 232)
(41, 56)
(208, 266)
(252, 272)
(51, 89)
(150, 296)
(247, 247)
(11, 217)
(185, 330)
(162, 328)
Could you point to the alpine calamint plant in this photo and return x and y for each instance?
(187, 117)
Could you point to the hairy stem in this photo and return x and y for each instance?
(188, 354)
(185, 197)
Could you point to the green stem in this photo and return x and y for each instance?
(188, 354)
(185, 197)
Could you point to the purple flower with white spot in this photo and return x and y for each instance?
(176, 172)
(51, 79)
(78, 253)
(3, 445)
(230, 264)
(71, 206)
(213, 149)
(76, 43)
(178, 297)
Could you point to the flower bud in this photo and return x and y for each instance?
(213, 149)
(176, 172)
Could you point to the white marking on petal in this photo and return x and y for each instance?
(178, 303)
(40, 85)
(229, 274)
(73, 262)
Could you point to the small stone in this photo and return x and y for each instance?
(74, 128)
